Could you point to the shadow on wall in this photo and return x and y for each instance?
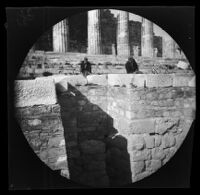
(96, 155)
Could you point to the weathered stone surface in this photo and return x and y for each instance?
(158, 140)
(166, 124)
(34, 110)
(149, 141)
(182, 80)
(153, 165)
(168, 140)
(65, 173)
(165, 117)
(135, 142)
(56, 141)
(54, 153)
(139, 80)
(138, 155)
(97, 79)
(158, 154)
(120, 79)
(34, 122)
(159, 80)
(140, 176)
(73, 80)
(92, 147)
(57, 78)
(34, 92)
(192, 82)
(142, 126)
(137, 167)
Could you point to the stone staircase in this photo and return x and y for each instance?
(68, 63)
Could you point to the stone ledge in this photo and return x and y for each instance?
(97, 79)
(74, 80)
(183, 80)
(120, 79)
(142, 126)
(139, 80)
(125, 80)
(35, 92)
(159, 80)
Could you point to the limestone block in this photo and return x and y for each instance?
(139, 80)
(120, 79)
(137, 167)
(135, 142)
(168, 141)
(166, 124)
(158, 154)
(139, 155)
(56, 141)
(150, 141)
(65, 173)
(57, 78)
(154, 165)
(34, 122)
(92, 147)
(97, 79)
(158, 140)
(142, 126)
(183, 80)
(35, 92)
(55, 152)
(192, 82)
(140, 176)
(73, 80)
(159, 80)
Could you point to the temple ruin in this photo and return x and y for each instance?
(110, 128)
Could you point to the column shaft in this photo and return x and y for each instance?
(61, 36)
(147, 38)
(169, 47)
(94, 32)
(123, 47)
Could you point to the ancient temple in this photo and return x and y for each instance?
(103, 33)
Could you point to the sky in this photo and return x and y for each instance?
(157, 30)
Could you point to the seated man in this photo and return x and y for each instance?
(85, 68)
(131, 65)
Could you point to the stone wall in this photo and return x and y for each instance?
(38, 114)
(110, 130)
(37, 63)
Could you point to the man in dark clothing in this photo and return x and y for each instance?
(131, 65)
(85, 67)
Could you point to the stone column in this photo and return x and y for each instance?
(123, 47)
(169, 47)
(61, 36)
(147, 38)
(113, 50)
(94, 32)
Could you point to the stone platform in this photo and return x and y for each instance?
(106, 130)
